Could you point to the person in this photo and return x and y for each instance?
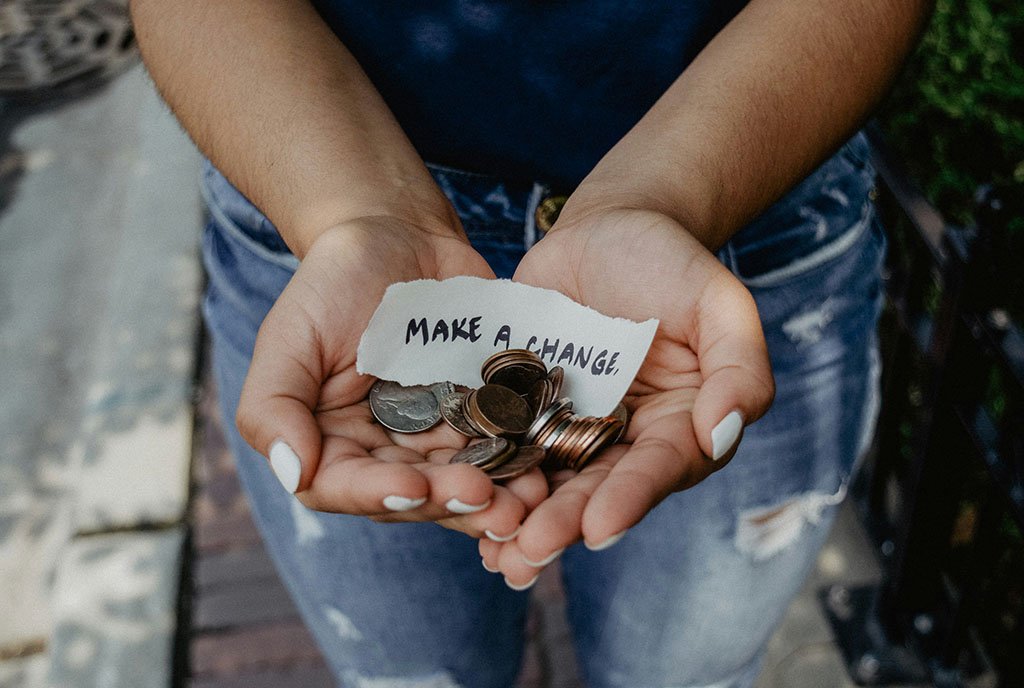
(711, 184)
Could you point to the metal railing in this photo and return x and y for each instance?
(942, 495)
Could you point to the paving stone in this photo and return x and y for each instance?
(138, 422)
(232, 567)
(115, 610)
(252, 602)
(237, 530)
(24, 672)
(253, 648)
(99, 276)
(315, 676)
(802, 652)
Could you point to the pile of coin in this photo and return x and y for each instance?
(519, 410)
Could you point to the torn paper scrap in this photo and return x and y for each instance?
(433, 331)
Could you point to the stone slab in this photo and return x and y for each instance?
(251, 602)
(802, 652)
(272, 646)
(115, 604)
(315, 676)
(24, 672)
(100, 223)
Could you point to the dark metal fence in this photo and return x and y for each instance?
(942, 495)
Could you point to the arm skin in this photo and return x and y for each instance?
(274, 99)
(271, 96)
(782, 86)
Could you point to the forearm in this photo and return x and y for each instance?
(275, 100)
(766, 101)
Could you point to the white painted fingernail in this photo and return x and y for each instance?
(546, 560)
(606, 544)
(499, 538)
(286, 465)
(525, 586)
(488, 568)
(725, 434)
(396, 503)
(456, 507)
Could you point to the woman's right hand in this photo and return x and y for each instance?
(305, 407)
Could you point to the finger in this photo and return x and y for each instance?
(351, 480)
(455, 489)
(489, 553)
(664, 458)
(531, 488)
(737, 383)
(557, 522)
(518, 574)
(275, 411)
(499, 522)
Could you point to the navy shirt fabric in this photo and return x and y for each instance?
(531, 90)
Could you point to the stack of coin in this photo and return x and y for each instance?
(516, 369)
(518, 404)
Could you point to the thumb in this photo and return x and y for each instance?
(738, 386)
(281, 390)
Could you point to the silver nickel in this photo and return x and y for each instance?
(404, 409)
(482, 453)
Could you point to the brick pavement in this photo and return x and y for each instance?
(244, 630)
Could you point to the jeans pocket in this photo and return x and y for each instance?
(818, 220)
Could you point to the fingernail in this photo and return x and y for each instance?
(725, 434)
(396, 503)
(456, 507)
(546, 560)
(525, 586)
(488, 568)
(286, 465)
(499, 538)
(606, 544)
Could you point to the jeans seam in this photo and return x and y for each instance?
(800, 266)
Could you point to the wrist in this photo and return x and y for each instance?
(437, 221)
(686, 204)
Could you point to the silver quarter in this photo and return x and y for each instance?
(525, 459)
(404, 409)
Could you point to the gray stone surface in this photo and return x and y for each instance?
(99, 284)
(24, 672)
(802, 651)
(115, 610)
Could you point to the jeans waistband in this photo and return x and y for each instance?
(491, 209)
(815, 213)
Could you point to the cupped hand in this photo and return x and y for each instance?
(305, 407)
(706, 376)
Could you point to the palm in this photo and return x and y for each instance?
(642, 265)
(306, 351)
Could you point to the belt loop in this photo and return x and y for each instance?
(537, 194)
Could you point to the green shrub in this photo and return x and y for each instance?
(956, 117)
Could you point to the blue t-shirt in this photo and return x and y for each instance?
(536, 89)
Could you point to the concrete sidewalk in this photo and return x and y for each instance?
(100, 280)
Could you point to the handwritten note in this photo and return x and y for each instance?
(431, 331)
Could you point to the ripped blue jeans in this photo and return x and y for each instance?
(691, 595)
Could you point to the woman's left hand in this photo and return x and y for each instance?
(706, 376)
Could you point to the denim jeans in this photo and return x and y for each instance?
(692, 593)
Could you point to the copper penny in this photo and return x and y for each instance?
(498, 408)
(482, 453)
(526, 459)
